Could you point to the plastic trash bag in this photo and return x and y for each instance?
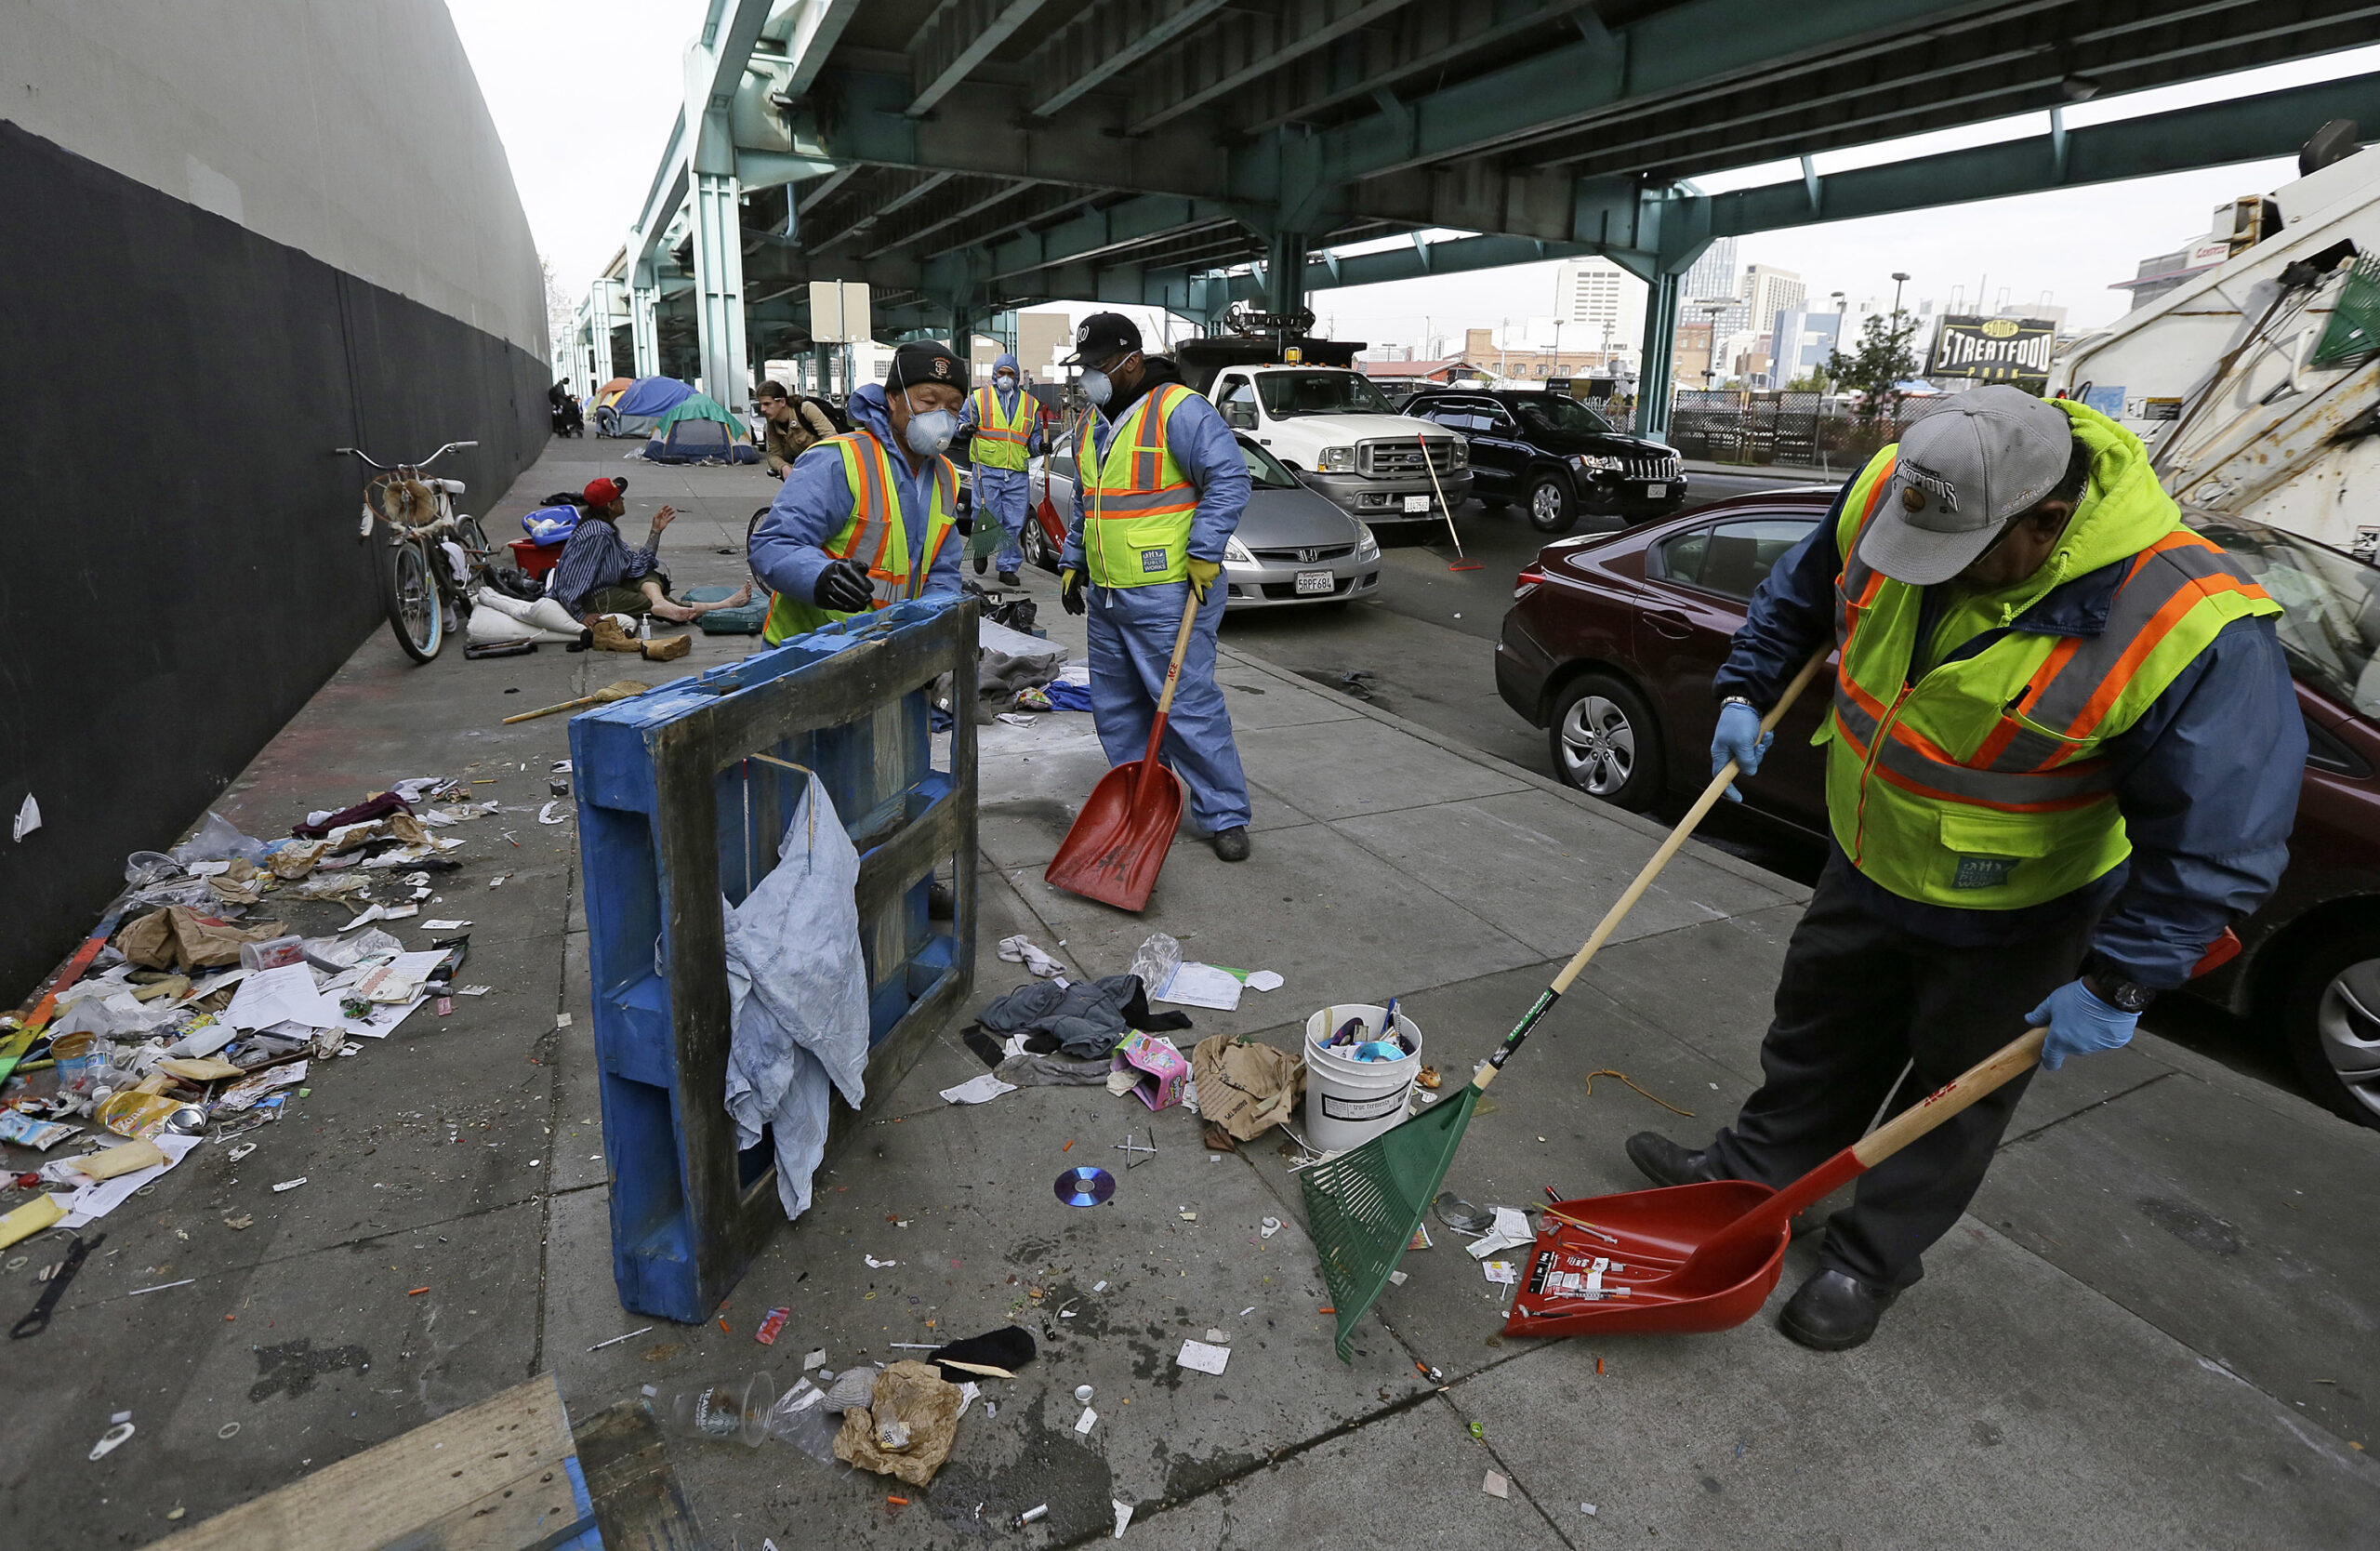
(219, 840)
(797, 996)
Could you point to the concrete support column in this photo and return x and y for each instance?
(645, 301)
(603, 306)
(822, 367)
(1285, 271)
(962, 338)
(1660, 356)
(718, 285)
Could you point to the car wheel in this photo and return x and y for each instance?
(1036, 544)
(1551, 509)
(2330, 1011)
(1606, 742)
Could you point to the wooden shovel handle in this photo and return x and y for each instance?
(548, 710)
(1190, 604)
(1987, 1075)
(1685, 826)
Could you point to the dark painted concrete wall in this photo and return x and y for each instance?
(180, 569)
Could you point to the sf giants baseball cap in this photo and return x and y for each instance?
(1961, 474)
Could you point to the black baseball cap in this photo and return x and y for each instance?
(924, 361)
(1103, 336)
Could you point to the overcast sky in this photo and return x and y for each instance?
(583, 91)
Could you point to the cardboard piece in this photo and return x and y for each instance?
(1245, 1087)
(1163, 1071)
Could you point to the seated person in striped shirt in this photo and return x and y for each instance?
(599, 574)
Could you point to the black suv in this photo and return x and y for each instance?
(1555, 456)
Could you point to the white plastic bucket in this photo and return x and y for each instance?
(1349, 1102)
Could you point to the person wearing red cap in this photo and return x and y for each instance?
(599, 574)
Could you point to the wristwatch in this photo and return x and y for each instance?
(2111, 986)
(1739, 700)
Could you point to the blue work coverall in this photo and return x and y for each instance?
(1132, 627)
(999, 492)
(788, 550)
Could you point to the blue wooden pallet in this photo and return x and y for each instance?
(676, 816)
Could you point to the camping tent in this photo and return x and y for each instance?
(695, 430)
(637, 409)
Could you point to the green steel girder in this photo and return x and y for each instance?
(2249, 128)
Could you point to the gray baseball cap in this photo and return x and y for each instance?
(1963, 472)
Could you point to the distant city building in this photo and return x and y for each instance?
(1537, 363)
(1406, 370)
(1596, 300)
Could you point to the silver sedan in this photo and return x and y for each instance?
(1293, 546)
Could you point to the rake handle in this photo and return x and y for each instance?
(1643, 879)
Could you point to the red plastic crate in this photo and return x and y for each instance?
(534, 557)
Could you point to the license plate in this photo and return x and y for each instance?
(1656, 491)
(1417, 504)
(1310, 582)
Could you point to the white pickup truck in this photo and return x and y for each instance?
(1332, 426)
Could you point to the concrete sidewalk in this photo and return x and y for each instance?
(2155, 1329)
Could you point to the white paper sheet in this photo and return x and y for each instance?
(1197, 985)
(382, 1020)
(283, 995)
(98, 1199)
(1202, 1357)
(1265, 980)
(978, 1090)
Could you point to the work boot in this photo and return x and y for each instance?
(1833, 1312)
(1231, 844)
(1664, 1162)
(983, 563)
(1009, 579)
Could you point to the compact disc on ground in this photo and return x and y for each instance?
(1085, 1186)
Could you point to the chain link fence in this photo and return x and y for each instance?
(1805, 430)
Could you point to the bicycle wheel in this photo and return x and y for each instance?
(479, 552)
(409, 594)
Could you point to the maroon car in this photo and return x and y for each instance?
(1612, 641)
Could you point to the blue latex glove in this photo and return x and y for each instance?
(2079, 1023)
(1740, 740)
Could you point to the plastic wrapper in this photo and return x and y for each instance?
(27, 1131)
(1155, 961)
(219, 840)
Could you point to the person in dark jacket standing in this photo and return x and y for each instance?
(2063, 755)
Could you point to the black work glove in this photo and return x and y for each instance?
(843, 588)
(964, 519)
(1070, 594)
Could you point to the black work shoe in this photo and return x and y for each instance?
(1664, 1162)
(1833, 1312)
(983, 563)
(1009, 579)
(1231, 844)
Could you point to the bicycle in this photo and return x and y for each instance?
(432, 555)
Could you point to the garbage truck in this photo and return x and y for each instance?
(2255, 383)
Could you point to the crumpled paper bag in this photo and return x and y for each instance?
(1245, 1087)
(913, 1394)
(180, 938)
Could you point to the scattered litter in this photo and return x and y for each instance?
(1015, 720)
(109, 1439)
(1219, 1338)
(1265, 980)
(562, 1020)
(1606, 1071)
(875, 1265)
(1586, 1508)
(161, 1287)
(1099, 1287)
(473, 990)
(1123, 1516)
(1496, 1486)
(28, 820)
(1089, 1420)
(240, 1151)
(289, 1184)
(443, 925)
(1083, 1393)
(770, 1327)
(1032, 1515)
(978, 1090)
(1500, 1272)
(816, 1359)
(1396, 1279)
(546, 815)
(1197, 985)
(1199, 1357)
(229, 1430)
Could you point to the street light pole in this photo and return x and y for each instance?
(1900, 278)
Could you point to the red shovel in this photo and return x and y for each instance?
(1705, 1257)
(1118, 842)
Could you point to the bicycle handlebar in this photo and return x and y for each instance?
(359, 452)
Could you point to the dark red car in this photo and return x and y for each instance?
(1612, 641)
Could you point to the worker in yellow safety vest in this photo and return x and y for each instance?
(864, 520)
(1006, 421)
(1160, 489)
(2063, 755)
